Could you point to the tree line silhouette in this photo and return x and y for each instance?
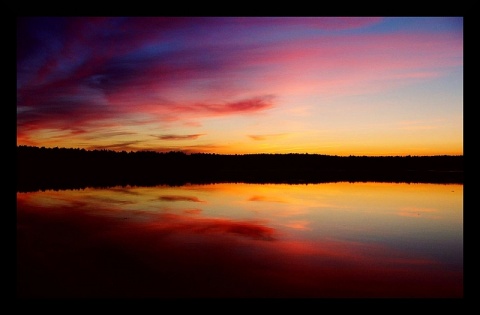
(61, 168)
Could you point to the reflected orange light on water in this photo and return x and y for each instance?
(242, 240)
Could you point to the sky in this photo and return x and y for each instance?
(373, 86)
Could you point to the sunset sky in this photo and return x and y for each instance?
(236, 85)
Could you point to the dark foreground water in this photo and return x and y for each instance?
(242, 240)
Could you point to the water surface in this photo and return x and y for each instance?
(242, 240)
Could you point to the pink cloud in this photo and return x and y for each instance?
(249, 106)
(358, 62)
(244, 106)
(159, 70)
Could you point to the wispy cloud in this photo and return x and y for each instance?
(80, 75)
(178, 137)
(317, 23)
(265, 136)
(257, 137)
(244, 106)
(201, 148)
(123, 145)
(107, 134)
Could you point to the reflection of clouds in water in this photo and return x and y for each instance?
(265, 198)
(416, 212)
(297, 248)
(51, 199)
(190, 221)
(298, 225)
(180, 198)
(111, 200)
(193, 211)
(296, 205)
(175, 255)
(207, 226)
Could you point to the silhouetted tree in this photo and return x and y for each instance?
(57, 168)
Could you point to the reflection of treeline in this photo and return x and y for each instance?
(57, 168)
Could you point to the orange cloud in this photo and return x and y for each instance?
(265, 137)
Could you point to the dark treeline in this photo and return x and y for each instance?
(64, 168)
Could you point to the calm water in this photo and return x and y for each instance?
(242, 240)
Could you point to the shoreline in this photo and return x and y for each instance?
(47, 168)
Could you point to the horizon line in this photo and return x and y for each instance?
(225, 154)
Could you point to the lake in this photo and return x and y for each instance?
(328, 240)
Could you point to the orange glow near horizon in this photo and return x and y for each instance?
(243, 148)
(378, 86)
